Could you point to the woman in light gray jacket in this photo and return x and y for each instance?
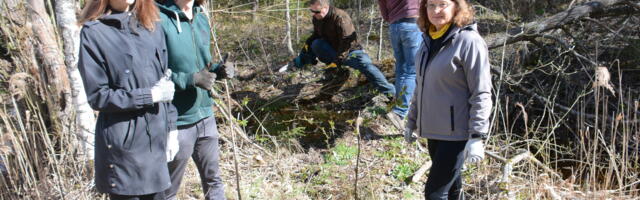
(452, 101)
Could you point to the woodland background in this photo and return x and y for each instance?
(565, 126)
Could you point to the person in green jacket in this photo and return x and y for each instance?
(187, 33)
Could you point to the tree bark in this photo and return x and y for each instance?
(53, 71)
(85, 119)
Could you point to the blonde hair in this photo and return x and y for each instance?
(463, 16)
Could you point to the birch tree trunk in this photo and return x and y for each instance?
(298, 20)
(288, 15)
(380, 39)
(53, 71)
(85, 119)
(256, 6)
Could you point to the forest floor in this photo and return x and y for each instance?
(309, 129)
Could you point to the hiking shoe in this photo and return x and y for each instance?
(396, 120)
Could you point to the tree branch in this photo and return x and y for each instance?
(537, 27)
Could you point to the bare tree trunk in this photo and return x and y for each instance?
(298, 21)
(53, 70)
(256, 6)
(366, 44)
(289, 45)
(85, 119)
(380, 40)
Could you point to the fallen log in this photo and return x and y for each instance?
(534, 28)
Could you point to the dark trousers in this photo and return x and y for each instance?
(198, 141)
(356, 59)
(444, 180)
(154, 196)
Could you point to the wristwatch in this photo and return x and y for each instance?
(478, 135)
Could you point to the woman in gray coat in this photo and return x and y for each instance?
(452, 100)
(124, 69)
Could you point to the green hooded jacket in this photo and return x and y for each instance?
(188, 46)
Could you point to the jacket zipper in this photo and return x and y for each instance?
(424, 73)
(193, 42)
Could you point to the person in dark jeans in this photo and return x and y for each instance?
(334, 42)
(452, 101)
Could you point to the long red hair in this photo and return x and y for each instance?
(145, 10)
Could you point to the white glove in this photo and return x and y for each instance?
(173, 145)
(474, 150)
(164, 89)
(408, 136)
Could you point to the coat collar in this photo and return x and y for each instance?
(453, 33)
(120, 20)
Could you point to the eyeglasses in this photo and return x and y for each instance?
(433, 6)
(315, 11)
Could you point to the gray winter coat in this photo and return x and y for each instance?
(119, 65)
(452, 99)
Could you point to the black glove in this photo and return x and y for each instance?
(204, 79)
(226, 70)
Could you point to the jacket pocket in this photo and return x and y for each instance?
(453, 118)
(128, 136)
(120, 132)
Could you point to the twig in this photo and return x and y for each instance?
(355, 187)
(233, 139)
(228, 116)
(507, 169)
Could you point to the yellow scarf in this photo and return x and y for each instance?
(437, 34)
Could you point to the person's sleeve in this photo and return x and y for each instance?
(478, 74)
(347, 37)
(182, 80)
(412, 116)
(383, 10)
(100, 95)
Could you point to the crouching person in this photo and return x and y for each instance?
(334, 42)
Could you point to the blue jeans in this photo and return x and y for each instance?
(356, 59)
(406, 38)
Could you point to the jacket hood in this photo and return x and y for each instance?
(171, 9)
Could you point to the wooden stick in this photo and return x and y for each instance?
(233, 139)
(423, 169)
(355, 187)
